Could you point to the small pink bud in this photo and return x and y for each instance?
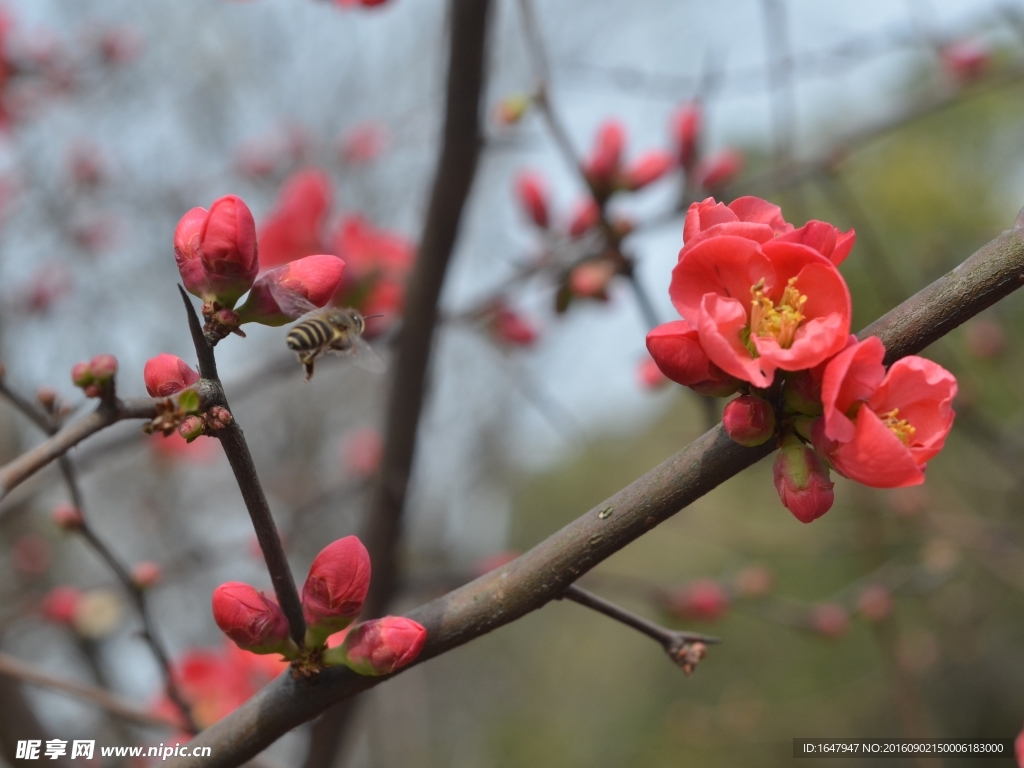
(874, 602)
(829, 620)
(585, 216)
(704, 599)
(335, 589)
(649, 375)
(166, 375)
(313, 278)
(686, 124)
(648, 168)
(251, 619)
(362, 450)
(146, 574)
(591, 279)
(186, 253)
(60, 604)
(67, 517)
(749, 420)
(103, 368)
(511, 109)
(533, 197)
(802, 480)
(31, 554)
(81, 375)
(220, 417)
(379, 646)
(227, 248)
(512, 328)
(753, 581)
(363, 143)
(719, 169)
(191, 427)
(606, 154)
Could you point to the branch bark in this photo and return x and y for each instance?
(543, 573)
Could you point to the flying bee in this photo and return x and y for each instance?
(330, 329)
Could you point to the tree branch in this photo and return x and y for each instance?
(543, 573)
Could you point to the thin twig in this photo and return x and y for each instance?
(28, 673)
(237, 450)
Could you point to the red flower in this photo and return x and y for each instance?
(377, 265)
(533, 197)
(335, 589)
(295, 227)
(379, 646)
(166, 375)
(314, 279)
(880, 428)
(760, 307)
(251, 619)
(678, 353)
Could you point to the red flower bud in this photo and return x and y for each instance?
(103, 368)
(719, 169)
(753, 581)
(335, 589)
(60, 604)
(680, 356)
(380, 646)
(166, 375)
(874, 602)
(363, 143)
(533, 197)
(146, 574)
(512, 328)
(191, 427)
(362, 450)
(186, 253)
(314, 279)
(606, 154)
(251, 619)
(829, 620)
(81, 376)
(650, 167)
(650, 376)
(749, 420)
(591, 279)
(511, 109)
(227, 249)
(586, 215)
(802, 392)
(68, 517)
(686, 124)
(700, 599)
(802, 480)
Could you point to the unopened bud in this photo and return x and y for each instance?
(874, 602)
(802, 480)
(512, 328)
(829, 620)
(67, 517)
(686, 124)
(533, 197)
(379, 646)
(802, 393)
(227, 249)
(335, 588)
(81, 376)
(649, 375)
(220, 417)
(166, 375)
(704, 599)
(591, 279)
(47, 398)
(511, 109)
(648, 168)
(753, 581)
(191, 427)
(60, 604)
(251, 619)
(586, 214)
(103, 368)
(719, 169)
(606, 154)
(313, 280)
(146, 574)
(749, 420)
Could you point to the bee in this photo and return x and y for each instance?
(330, 329)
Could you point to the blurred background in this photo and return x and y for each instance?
(896, 614)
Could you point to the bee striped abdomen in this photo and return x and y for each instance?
(309, 335)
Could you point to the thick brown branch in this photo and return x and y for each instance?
(543, 573)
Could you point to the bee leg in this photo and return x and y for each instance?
(308, 359)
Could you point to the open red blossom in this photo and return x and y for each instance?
(314, 279)
(378, 263)
(295, 227)
(166, 375)
(881, 428)
(251, 619)
(679, 355)
(758, 307)
(533, 197)
(379, 646)
(335, 589)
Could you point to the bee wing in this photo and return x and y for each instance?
(291, 302)
(366, 357)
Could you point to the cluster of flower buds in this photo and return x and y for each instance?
(766, 313)
(332, 598)
(96, 377)
(217, 256)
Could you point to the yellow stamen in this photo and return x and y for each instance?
(900, 427)
(780, 322)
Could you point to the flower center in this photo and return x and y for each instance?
(900, 427)
(780, 321)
